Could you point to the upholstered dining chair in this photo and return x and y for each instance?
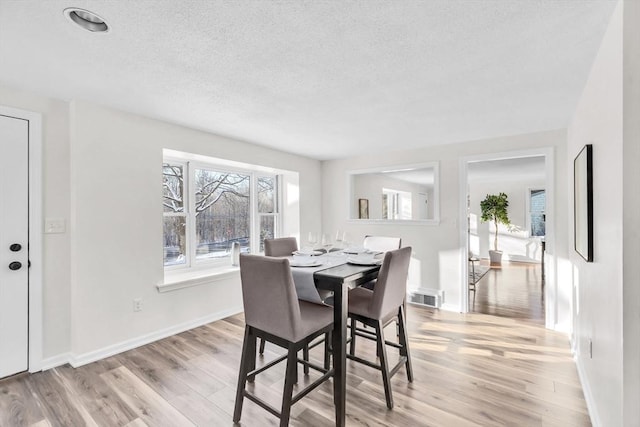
(380, 244)
(282, 246)
(273, 312)
(279, 247)
(377, 308)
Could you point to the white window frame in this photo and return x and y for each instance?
(277, 206)
(189, 167)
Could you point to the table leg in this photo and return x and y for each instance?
(340, 352)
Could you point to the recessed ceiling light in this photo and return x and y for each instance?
(87, 20)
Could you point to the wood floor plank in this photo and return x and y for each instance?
(137, 423)
(59, 405)
(16, 408)
(149, 405)
(195, 378)
(102, 403)
(252, 415)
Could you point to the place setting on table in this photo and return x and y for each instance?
(310, 259)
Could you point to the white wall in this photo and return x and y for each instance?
(437, 253)
(517, 245)
(56, 282)
(631, 214)
(598, 286)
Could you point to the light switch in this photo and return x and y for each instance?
(54, 225)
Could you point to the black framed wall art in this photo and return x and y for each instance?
(583, 203)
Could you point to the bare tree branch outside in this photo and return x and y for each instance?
(222, 211)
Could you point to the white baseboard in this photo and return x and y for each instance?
(450, 307)
(588, 395)
(54, 362)
(77, 360)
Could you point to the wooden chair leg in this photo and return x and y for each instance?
(251, 357)
(404, 306)
(289, 381)
(305, 356)
(245, 363)
(327, 352)
(382, 351)
(352, 344)
(404, 342)
(261, 346)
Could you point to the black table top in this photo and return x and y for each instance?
(347, 273)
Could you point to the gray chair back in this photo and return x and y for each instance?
(381, 243)
(391, 287)
(282, 246)
(269, 295)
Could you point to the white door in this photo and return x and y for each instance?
(14, 235)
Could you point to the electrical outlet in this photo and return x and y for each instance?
(137, 304)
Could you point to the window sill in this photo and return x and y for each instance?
(175, 281)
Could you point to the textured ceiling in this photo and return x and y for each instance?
(325, 79)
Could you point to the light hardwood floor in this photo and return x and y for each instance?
(470, 370)
(514, 290)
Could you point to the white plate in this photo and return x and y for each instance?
(312, 253)
(363, 261)
(355, 250)
(295, 263)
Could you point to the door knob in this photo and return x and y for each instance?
(15, 265)
(15, 247)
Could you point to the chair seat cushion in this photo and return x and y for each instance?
(314, 317)
(360, 304)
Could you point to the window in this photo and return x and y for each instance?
(267, 207)
(537, 205)
(207, 208)
(175, 218)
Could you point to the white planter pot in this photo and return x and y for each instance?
(495, 257)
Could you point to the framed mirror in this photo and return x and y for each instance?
(395, 194)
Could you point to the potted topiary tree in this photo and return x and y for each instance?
(494, 208)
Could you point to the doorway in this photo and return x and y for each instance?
(523, 173)
(20, 242)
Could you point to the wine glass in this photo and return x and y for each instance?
(312, 238)
(340, 239)
(346, 240)
(327, 242)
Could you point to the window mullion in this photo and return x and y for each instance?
(255, 218)
(191, 216)
(278, 220)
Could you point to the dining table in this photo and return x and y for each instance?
(335, 272)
